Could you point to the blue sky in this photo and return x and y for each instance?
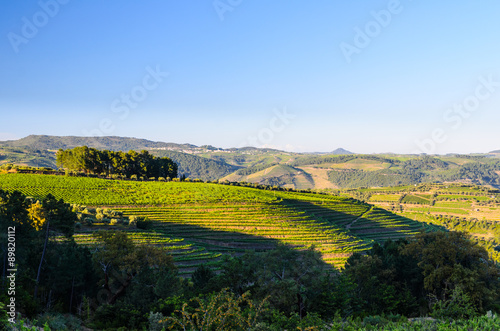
(373, 76)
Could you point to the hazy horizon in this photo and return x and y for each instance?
(392, 76)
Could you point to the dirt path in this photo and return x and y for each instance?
(348, 226)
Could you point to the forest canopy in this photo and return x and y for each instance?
(94, 161)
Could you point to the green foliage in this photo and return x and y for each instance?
(449, 260)
(118, 164)
(360, 178)
(410, 198)
(219, 311)
(458, 306)
(155, 321)
(118, 315)
(386, 281)
(121, 262)
(194, 166)
(201, 278)
(144, 223)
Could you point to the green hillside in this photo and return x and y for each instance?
(456, 207)
(275, 175)
(211, 219)
(274, 167)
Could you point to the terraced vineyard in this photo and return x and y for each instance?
(187, 255)
(458, 207)
(198, 222)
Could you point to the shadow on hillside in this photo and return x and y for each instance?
(374, 224)
(221, 241)
(236, 238)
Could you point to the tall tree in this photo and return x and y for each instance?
(451, 260)
(59, 218)
(121, 261)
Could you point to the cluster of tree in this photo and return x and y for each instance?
(94, 161)
(424, 163)
(27, 155)
(424, 169)
(26, 169)
(340, 159)
(480, 173)
(56, 274)
(193, 166)
(49, 273)
(444, 273)
(379, 178)
(254, 169)
(116, 283)
(280, 181)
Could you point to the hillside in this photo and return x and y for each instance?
(277, 168)
(216, 219)
(193, 166)
(456, 207)
(43, 142)
(341, 151)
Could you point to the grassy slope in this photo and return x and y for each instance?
(222, 218)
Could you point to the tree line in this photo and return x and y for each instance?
(131, 163)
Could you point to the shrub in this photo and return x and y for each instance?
(88, 221)
(458, 306)
(115, 221)
(155, 321)
(144, 224)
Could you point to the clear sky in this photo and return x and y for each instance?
(369, 76)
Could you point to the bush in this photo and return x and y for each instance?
(132, 221)
(59, 322)
(115, 221)
(88, 220)
(144, 224)
(118, 316)
(154, 321)
(458, 306)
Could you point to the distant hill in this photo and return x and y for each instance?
(338, 169)
(341, 151)
(194, 166)
(42, 142)
(495, 152)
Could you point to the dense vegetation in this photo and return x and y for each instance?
(94, 161)
(114, 281)
(315, 171)
(241, 257)
(419, 170)
(193, 166)
(213, 213)
(43, 142)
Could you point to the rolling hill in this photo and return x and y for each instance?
(213, 219)
(339, 169)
